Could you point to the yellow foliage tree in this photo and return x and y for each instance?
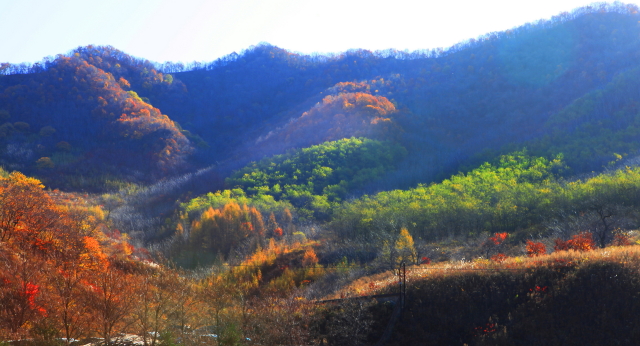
(405, 249)
(218, 230)
(27, 211)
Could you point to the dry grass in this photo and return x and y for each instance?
(387, 282)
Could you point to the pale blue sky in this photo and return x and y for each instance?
(203, 30)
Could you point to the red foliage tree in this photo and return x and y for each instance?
(498, 238)
(493, 244)
(535, 248)
(579, 242)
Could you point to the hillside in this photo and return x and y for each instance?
(564, 298)
(452, 109)
(451, 105)
(69, 274)
(73, 118)
(223, 202)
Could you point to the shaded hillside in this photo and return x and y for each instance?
(445, 106)
(595, 129)
(501, 89)
(584, 297)
(482, 94)
(74, 118)
(561, 299)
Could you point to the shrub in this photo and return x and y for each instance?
(499, 258)
(579, 242)
(535, 248)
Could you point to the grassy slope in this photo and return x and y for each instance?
(564, 298)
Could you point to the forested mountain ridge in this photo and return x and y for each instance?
(75, 118)
(481, 94)
(444, 106)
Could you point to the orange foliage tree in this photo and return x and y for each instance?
(28, 225)
(579, 242)
(219, 230)
(46, 258)
(111, 298)
(273, 229)
(498, 238)
(27, 212)
(20, 297)
(309, 259)
(152, 310)
(535, 248)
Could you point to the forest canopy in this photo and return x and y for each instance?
(315, 178)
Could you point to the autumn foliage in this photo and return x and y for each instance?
(65, 274)
(579, 242)
(499, 257)
(498, 238)
(67, 270)
(83, 100)
(57, 268)
(344, 115)
(535, 248)
(218, 230)
(41, 253)
(621, 240)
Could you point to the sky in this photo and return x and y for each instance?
(204, 30)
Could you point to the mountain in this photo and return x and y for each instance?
(451, 109)
(78, 116)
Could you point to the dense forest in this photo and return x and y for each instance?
(250, 200)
